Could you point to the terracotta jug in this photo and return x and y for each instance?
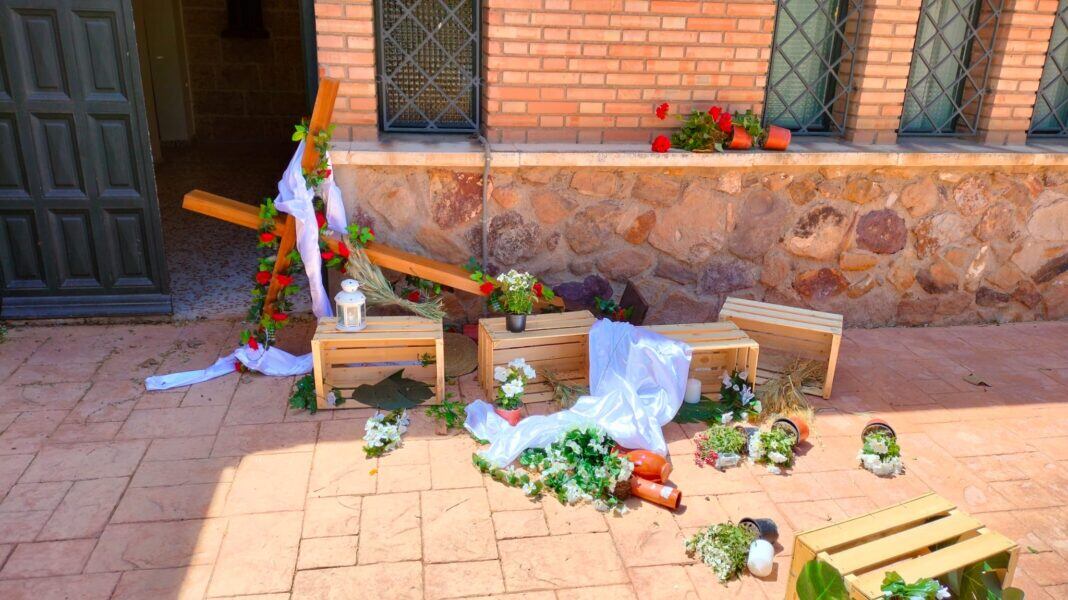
(650, 465)
(664, 495)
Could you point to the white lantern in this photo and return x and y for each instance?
(351, 306)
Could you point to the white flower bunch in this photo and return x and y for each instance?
(383, 432)
(513, 379)
(881, 454)
(773, 448)
(580, 466)
(737, 397)
(724, 547)
(517, 280)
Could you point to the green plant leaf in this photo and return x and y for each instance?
(705, 411)
(820, 581)
(1012, 594)
(393, 392)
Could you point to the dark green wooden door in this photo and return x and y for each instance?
(79, 222)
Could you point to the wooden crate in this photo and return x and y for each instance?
(345, 359)
(555, 341)
(786, 333)
(717, 347)
(923, 537)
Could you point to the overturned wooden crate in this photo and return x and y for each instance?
(785, 334)
(923, 537)
(717, 347)
(557, 342)
(344, 360)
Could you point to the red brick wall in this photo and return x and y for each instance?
(346, 43)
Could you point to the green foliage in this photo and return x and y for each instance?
(877, 440)
(724, 547)
(895, 588)
(724, 439)
(736, 398)
(750, 122)
(359, 235)
(449, 412)
(704, 411)
(581, 465)
(607, 308)
(393, 393)
(980, 581)
(820, 581)
(698, 132)
(774, 448)
(304, 394)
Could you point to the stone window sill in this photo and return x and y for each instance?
(426, 151)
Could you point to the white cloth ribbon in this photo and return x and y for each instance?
(295, 198)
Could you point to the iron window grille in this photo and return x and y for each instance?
(1051, 105)
(428, 64)
(810, 78)
(950, 65)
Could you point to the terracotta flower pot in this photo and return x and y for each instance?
(778, 138)
(512, 416)
(664, 495)
(795, 425)
(875, 425)
(740, 139)
(650, 465)
(764, 529)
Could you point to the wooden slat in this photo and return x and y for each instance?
(225, 209)
(903, 543)
(783, 312)
(859, 528)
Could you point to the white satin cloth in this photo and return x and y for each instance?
(295, 198)
(637, 382)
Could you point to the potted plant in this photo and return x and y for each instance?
(737, 401)
(795, 425)
(877, 424)
(518, 293)
(776, 138)
(773, 448)
(701, 131)
(724, 547)
(720, 446)
(513, 380)
(881, 454)
(746, 130)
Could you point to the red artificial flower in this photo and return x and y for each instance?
(267, 237)
(327, 173)
(238, 366)
(537, 289)
(284, 280)
(320, 218)
(715, 112)
(371, 231)
(413, 296)
(725, 123)
(662, 111)
(486, 288)
(252, 343)
(279, 316)
(263, 277)
(327, 254)
(343, 250)
(661, 144)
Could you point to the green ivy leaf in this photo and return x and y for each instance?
(393, 392)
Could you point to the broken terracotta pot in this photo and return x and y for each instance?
(664, 495)
(650, 465)
(875, 425)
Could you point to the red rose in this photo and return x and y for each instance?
(413, 296)
(537, 289)
(662, 111)
(724, 123)
(279, 316)
(252, 343)
(486, 288)
(320, 218)
(343, 250)
(267, 237)
(661, 144)
(284, 280)
(715, 112)
(263, 277)
(326, 254)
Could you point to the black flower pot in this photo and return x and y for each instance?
(764, 529)
(516, 323)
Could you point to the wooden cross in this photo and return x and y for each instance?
(382, 255)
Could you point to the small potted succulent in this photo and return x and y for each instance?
(720, 446)
(513, 380)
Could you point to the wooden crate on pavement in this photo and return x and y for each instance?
(786, 333)
(555, 341)
(717, 347)
(923, 537)
(345, 359)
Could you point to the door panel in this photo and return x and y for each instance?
(79, 222)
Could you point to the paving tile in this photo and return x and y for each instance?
(503, 497)
(11, 468)
(1045, 568)
(21, 526)
(35, 423)
(616, 592)
(171, 502)
(258, 555)
(453, 580)
(563, 519)
(259, 400)
(185, 583)
(75, 587)
(317, 553)
(457, 526)
(699, 511)
(709, 588)
(270, 483)
(180, 448)
(240, 440)
(561, 561)
(519, 524)
(803, 516)
(35, 496)
(402, 478)
(86, 461)
(648, 535)
(390, 528)
(758, 505)
(103, 431)
(184, 472)
(449, 463)
(159, 399)
(107, 401)
(45, 396)
(172, 422)
(216, 392)
(131, 546)
(332, 516)
(665, 582)
(396, 581)
(85, 509)
(47, 559)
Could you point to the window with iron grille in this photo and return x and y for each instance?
(1051, 105)
(811, 74)
(950, 65)
(428, 71)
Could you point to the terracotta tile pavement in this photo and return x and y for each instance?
(220, 491)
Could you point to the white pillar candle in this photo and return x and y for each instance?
(693, 391)
(761, 558)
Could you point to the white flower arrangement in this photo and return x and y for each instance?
(383, 432)
(724, 547)
(881, 454)
(773, 448)
(737, 398)
(513, 379)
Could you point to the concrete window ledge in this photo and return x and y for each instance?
(429, 151)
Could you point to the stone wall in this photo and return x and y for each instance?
(881, 246)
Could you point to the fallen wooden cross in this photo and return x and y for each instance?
(247, 215)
